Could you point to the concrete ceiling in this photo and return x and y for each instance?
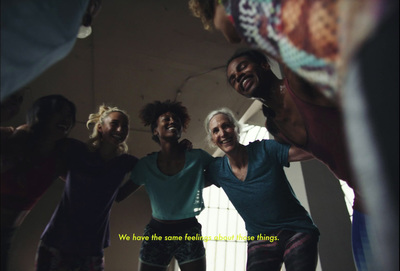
(141, 51)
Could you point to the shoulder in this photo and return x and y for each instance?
(128, 160)
(71, 151)
(306, 91)
(71, 142)
(201, 152)
(197, 153)
(71, 145)
(6, 131)
(202, 155)
(268, 146)
(259, 144)
(15, 138)
(216, 164)
(21, 132)
(268, 143)
(129, 157)
(147, 160)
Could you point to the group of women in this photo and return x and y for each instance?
(301, 110)
(78, 231)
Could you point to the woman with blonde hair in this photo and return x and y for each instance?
(78, 231)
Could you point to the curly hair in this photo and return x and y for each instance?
(152, 111)
(254, 55)
(205, 10)
(97, 119)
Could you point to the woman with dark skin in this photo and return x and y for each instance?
(29, 161)
(174, 180)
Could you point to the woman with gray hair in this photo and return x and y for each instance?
(279, 229)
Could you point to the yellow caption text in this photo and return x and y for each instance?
(197, 237)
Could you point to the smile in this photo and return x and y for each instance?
(173, 128)
(246, 83)
(118, 138)
(225, 141)
(63, 127)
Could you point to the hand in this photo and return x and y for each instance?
(186, 144)
(154, 152)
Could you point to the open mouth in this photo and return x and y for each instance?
(173, 128)
(63, 127)
(246, 83)
(118, 138)
(226, 141)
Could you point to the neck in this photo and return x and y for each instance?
(107, 151)
(274, 95)
(238, 157)
(171, 149)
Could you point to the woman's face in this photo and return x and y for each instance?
(169, 126)
(59, 124)
(114, 129)
(223, 133)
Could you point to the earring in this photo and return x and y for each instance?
(84, 31)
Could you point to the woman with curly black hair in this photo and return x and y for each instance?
(174, 181)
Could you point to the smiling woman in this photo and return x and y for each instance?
(171, 171)
(78, 231)
(253, 178)
(109, 122)
(29, 162)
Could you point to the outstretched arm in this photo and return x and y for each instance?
(225, 25)
(6, 132)
(297, 154)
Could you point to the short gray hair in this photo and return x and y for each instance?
(231, 117)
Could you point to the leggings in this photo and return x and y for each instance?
(52, 259)
(362, 253)
(7, 234)
(298, 250)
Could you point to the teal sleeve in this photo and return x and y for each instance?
(137, 175)
(207, 158)
(278, 150)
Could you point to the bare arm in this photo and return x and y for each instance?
(223, 24)
(297, 154)
(126, 190)
(15, 141)
(6, 132)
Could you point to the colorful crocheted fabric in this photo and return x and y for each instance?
(316, 39)
(300, 33)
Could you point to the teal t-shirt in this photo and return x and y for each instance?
(265, 200)
(174, 197)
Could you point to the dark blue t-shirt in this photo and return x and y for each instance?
(80, 223)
